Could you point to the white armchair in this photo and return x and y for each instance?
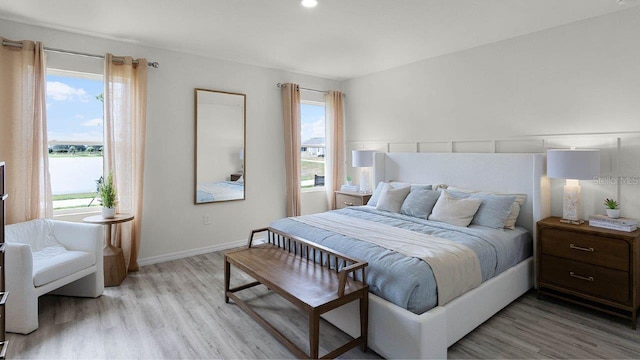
(48, 256)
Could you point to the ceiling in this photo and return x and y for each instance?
(338, 39)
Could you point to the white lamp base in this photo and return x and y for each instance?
(364, 180)
(572, 203)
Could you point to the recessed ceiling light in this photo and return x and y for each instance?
(309, 3)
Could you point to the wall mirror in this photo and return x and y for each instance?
(220, 146)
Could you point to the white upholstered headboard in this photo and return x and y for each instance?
(504, 173)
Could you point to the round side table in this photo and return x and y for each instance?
(114, 267)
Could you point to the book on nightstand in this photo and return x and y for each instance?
(353, 188)
(622, 224)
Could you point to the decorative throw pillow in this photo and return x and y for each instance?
(520, 199)
(454, 211)
(415, 187)
(375, 196)
(419, 203)
(493, 211)
(391, 199)
(373, 200)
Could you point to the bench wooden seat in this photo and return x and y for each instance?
(285, 264)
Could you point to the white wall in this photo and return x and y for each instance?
(575, 79)
(171, 223)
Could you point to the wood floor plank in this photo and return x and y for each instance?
(176, 310)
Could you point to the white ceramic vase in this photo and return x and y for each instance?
(108, 213)
(613, 213)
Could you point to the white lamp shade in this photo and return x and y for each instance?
(362, 158)
(579, 164)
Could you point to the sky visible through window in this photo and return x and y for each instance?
(73, 112)
(312, 121)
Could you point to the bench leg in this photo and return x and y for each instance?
(314, 334)
(364, 321)
(227, 278)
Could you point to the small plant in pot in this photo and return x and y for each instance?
(612, 208)
(108, 198)
(348, 180)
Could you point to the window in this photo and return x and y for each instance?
(313, 145)
(75, 134)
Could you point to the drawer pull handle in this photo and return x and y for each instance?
(572, 246)
(348, 203)
(572, 274)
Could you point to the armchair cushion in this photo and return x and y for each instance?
(55, 262)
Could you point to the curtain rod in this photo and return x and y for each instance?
(280, 85)
(153, 64)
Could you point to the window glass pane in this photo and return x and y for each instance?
(75, 135)
(312, 140)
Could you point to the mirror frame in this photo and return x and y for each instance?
(244, 146)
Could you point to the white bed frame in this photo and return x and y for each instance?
(395, 332)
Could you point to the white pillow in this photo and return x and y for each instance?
(510, 223)
(391, 199)
(454, 211)
(375, 196)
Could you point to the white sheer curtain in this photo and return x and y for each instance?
(291, 118)
(334, 111)
(23, 131)
(125, 100)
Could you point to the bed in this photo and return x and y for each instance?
(416, 324)
(219, 191)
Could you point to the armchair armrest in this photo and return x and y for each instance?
(79, 236)
(18, 267)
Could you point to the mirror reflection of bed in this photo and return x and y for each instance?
(220, 146)
(220, 190)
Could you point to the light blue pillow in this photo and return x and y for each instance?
(373, 200)
(493, 211)
(420, 202)
(415, 187)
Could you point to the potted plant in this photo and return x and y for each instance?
(348, 180)
(612, 208)
(108, 198)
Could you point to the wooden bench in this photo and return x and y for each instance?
(312, 277)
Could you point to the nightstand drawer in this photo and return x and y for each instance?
(343, 200)
(609, 252)
(589, 279)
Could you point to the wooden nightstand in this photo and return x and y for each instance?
(590, 266)
(350, 198)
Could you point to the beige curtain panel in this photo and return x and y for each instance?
(334, 105)
(23, 131)
(291, 117)
(125, 100)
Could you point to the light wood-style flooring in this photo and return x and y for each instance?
(176, 310)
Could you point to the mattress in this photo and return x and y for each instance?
(407, 281)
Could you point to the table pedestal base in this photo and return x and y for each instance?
(114, 268)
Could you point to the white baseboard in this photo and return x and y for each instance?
(192, 252)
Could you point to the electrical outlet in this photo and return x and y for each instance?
(206, 219)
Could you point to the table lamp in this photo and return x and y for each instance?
(364, 160)
(573, 165)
